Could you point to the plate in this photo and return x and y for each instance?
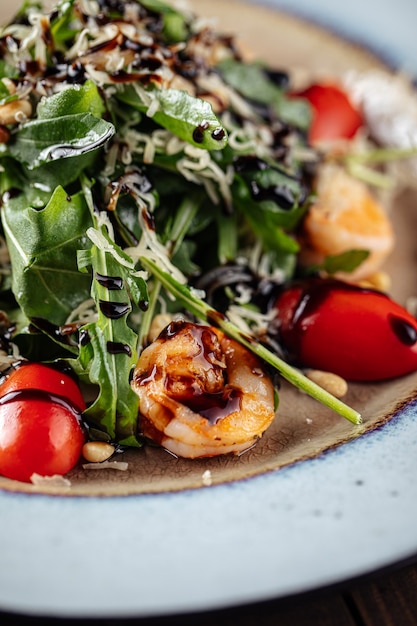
(318, 501)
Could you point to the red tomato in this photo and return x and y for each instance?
(333, 114)
(44, 378)
(357, 333)
(40, 429)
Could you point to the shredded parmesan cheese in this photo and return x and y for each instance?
(49, 481)
(121, 466)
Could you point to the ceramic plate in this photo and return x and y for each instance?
(316, 502)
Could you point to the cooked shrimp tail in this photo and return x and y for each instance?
(346, 216)
(202, 394)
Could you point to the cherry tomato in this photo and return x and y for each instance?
(357, 333)
(44, 378)
(40, 428)
(333, 114)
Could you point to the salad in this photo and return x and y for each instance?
(180, 226)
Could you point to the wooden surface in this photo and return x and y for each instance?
(384, 599)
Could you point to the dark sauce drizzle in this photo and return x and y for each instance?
(112, 283)
(114, 310)
(198, 134)
(403, 330)
(282, 194)
(213, 406)
(45, 396)
(115, 347)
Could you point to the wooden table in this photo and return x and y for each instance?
(384, 599)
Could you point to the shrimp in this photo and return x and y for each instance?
(201, 394)
(346, 217)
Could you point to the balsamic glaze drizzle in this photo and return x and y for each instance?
(112, 283)
(114, 310)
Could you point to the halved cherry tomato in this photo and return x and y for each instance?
(40, 427)
(333, 114)
(360, 334)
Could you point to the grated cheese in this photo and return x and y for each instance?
(121, 466)
(50, 481)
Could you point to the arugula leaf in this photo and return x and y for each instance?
(71, 101)
(11, 176)
(175, 28)
(265, 215)
(68, 127)
(43, 245)
(41, 141)
(181, 114)
(250, 80)
(108, 347)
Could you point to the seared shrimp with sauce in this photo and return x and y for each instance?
(346, 216)
(201, 394)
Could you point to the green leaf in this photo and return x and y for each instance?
(108, 350)
(295, 111)
(287, 194)
(175, 28)
(11, 176)
(266, 215)
(62, 24)
(41, 141)
(185, 116)
(43, 245)
(252, 82)
(115, 411)
(158, 6)
(72, 101)
(344, 262)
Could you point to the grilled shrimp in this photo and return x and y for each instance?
(201, 394)
(346, 217)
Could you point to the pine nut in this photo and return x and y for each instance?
(15, 111)
(334, 384)
(97, 451)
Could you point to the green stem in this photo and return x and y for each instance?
(206, 313)
(148, 316)
(186, 212)
(369, 175)
(383, 155)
